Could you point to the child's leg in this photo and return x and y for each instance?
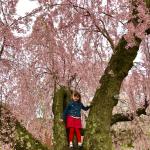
(78, 135)
(71, 134)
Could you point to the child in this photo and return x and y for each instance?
(72, 116)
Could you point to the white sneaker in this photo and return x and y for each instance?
(79, 144)
(70, 144)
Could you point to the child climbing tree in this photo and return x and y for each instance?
(67, 38)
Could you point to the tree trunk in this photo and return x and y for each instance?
(13, 133)
(60, 100)
(97, 135)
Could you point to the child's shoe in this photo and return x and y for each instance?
(70, 144)
(80, 145)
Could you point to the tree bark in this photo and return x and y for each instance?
(97, 135)
(15, 134)
(60, 100)
(98, 124)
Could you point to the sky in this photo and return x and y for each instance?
(24, 6)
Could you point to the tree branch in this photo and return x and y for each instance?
(15, 134)
(2, 48)
(129, 116)
(102, 30)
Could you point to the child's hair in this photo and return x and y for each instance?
(77, 94)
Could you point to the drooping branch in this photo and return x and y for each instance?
(3, 13)
(15, 134)
(100, 29)
(1, 52)
(120, 117)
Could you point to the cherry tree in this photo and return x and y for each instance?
(74, 44)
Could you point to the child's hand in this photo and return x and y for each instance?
(89, 103)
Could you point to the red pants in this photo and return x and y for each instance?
(71, 134)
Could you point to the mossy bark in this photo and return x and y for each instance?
(25, 141)
(60, 100)
(97, 135)
(15, 134)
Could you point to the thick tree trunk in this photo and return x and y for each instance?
(99, 121)
(97, 135)
(60, 100)
(12, 132)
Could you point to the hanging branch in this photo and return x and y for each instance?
(2, 48)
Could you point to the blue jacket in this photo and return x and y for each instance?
(74, 109)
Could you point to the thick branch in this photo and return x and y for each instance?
(100, 115)
(12, 132)
(129, 116)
